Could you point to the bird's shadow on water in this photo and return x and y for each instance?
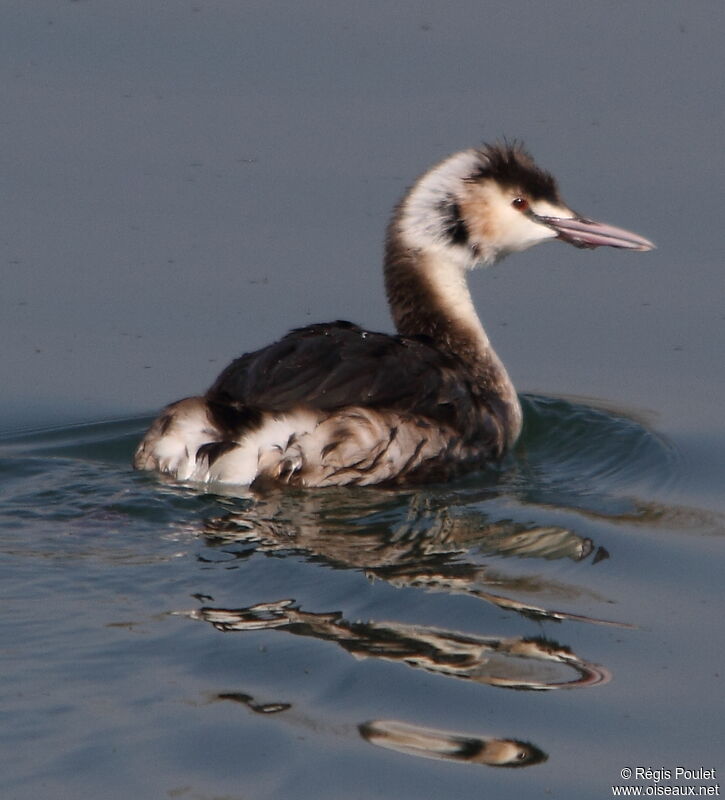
(577, 469)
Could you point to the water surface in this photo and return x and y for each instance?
(522, 616)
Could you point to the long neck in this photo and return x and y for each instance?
(428, 295)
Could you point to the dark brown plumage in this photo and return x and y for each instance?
(336, 365)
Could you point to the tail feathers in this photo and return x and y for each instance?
(171, 444)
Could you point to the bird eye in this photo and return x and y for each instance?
(520, 203)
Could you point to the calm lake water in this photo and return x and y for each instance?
(185, 183)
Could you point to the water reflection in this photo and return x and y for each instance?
(494, 536)
(416, 740)
(511, 663)
(412, 540)
(409, 739)
(469, 538)
(587, 462)
(248, 701)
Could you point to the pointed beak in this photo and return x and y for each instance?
(585, 233)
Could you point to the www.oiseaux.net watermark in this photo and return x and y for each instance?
(675, 782)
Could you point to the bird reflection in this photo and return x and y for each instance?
(410, 739)
(430, 743)
(507, 662)
(408, 540)
(466, 539)
(248, 701)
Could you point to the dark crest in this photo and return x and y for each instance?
(510, 164)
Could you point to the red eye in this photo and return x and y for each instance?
(520, 203)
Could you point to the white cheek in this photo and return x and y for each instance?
(522, 233)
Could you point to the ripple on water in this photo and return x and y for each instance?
(70, 495)
(567, 443)
(570, 455)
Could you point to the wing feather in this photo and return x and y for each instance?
(330, 366)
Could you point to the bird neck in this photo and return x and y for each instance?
(429, 296)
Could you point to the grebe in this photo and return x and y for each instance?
(333, 404)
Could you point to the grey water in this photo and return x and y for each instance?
(185, 182)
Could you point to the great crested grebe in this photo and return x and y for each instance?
(333, 404)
